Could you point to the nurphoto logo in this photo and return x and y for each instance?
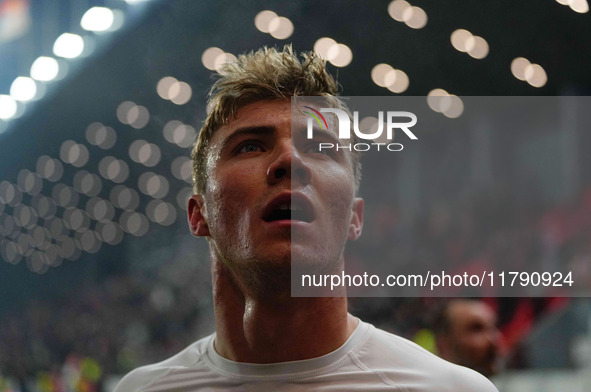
(394, 120)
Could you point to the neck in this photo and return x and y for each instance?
(274, 327)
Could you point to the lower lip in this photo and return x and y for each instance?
(288, 223)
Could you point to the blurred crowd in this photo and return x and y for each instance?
(104, 328)
(144, 315)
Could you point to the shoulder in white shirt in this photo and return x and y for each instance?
(370, 360)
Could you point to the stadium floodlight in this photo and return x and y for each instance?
(23, 89)
(97, 19)
(7, 107)
(68, 46)
(45, 69)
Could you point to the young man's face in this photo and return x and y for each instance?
(474, 336)
(257, 171)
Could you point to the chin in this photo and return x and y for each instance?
(315, 264)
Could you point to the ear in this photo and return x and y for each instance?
(197, 216)
(356, 225)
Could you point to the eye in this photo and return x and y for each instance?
(314, 148)
(249, 146)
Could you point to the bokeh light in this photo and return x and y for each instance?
(11, 252)
(87, 183)
(529, 72)
(518, 66)
(37, 262)
(29, 182)
(100, 210)
(97, 19)
(64, 196)
(413, 16)
(400, 82)
(281, 28)
(113, 169)
(397, 8)
(395, 80)
(134, 223)
(49, 168)
(24, 216)
(57, 228)
(148, 154)
(44, 206)
(535, 75)
(9, 194)
(263, 19)
(176, 132)
(449, 105)
(163, 86)
(136, 116)
(68, 46)
(214, 58)
(76, 219)
(73, 153)
(171, 89)
(154, 185)
(180, 93)
(110, 232)
(464, 41)
(208, 58)
(8, 107)
(269, 22)
(23, 89)
(7, 225)
(459, 38)
(124, 198)
(161, 212)
(100, 135)
(68, 248)
(222, 60)
(89, 241)
(579, 6)
(339, 55)
(182, 168)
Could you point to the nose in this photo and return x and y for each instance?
(288, 164)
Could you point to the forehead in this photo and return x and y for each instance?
(258, 113)
(274, 113)
(463, 313)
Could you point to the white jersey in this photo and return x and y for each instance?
(370, 360)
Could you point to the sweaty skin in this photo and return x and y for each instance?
(256, 160)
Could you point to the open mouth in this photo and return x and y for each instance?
(289, 208)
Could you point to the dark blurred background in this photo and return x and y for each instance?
(100, 101)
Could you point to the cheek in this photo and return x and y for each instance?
(339, 188)
(338, 195)
(230, 202)
(476, 342)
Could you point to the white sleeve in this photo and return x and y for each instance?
(139, 379)
(468, 380)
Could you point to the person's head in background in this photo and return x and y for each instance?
(466, 334)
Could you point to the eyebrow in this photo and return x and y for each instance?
(326, 135)
(257, 130)
(320, 134)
